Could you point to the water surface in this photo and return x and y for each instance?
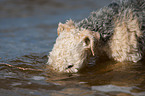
(27, 34)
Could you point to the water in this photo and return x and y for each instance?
(27, 34)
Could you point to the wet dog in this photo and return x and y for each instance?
(116, 31)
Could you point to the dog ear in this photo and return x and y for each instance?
(65, 27)
(90, 39)
(60, 28)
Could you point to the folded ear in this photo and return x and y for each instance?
(65, 27)
(90, 39)
(60, 28)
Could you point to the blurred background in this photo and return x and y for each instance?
(29, 26)
(28, 30)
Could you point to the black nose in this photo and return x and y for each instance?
(70, 66)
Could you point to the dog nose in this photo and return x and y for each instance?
(70, 66)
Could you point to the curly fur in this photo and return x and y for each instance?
(124, 42)
(102, 21)
(122, 29)
(69, 51)
(116, 31)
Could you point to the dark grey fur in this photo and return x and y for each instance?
(103, 20)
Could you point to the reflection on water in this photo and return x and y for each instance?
(110, 78)
(27, 34)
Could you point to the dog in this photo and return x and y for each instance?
(116, 31)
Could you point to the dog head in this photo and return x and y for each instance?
(73, 48)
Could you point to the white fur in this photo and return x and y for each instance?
(68, 50)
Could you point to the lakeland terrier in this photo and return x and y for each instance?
(116, 31)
